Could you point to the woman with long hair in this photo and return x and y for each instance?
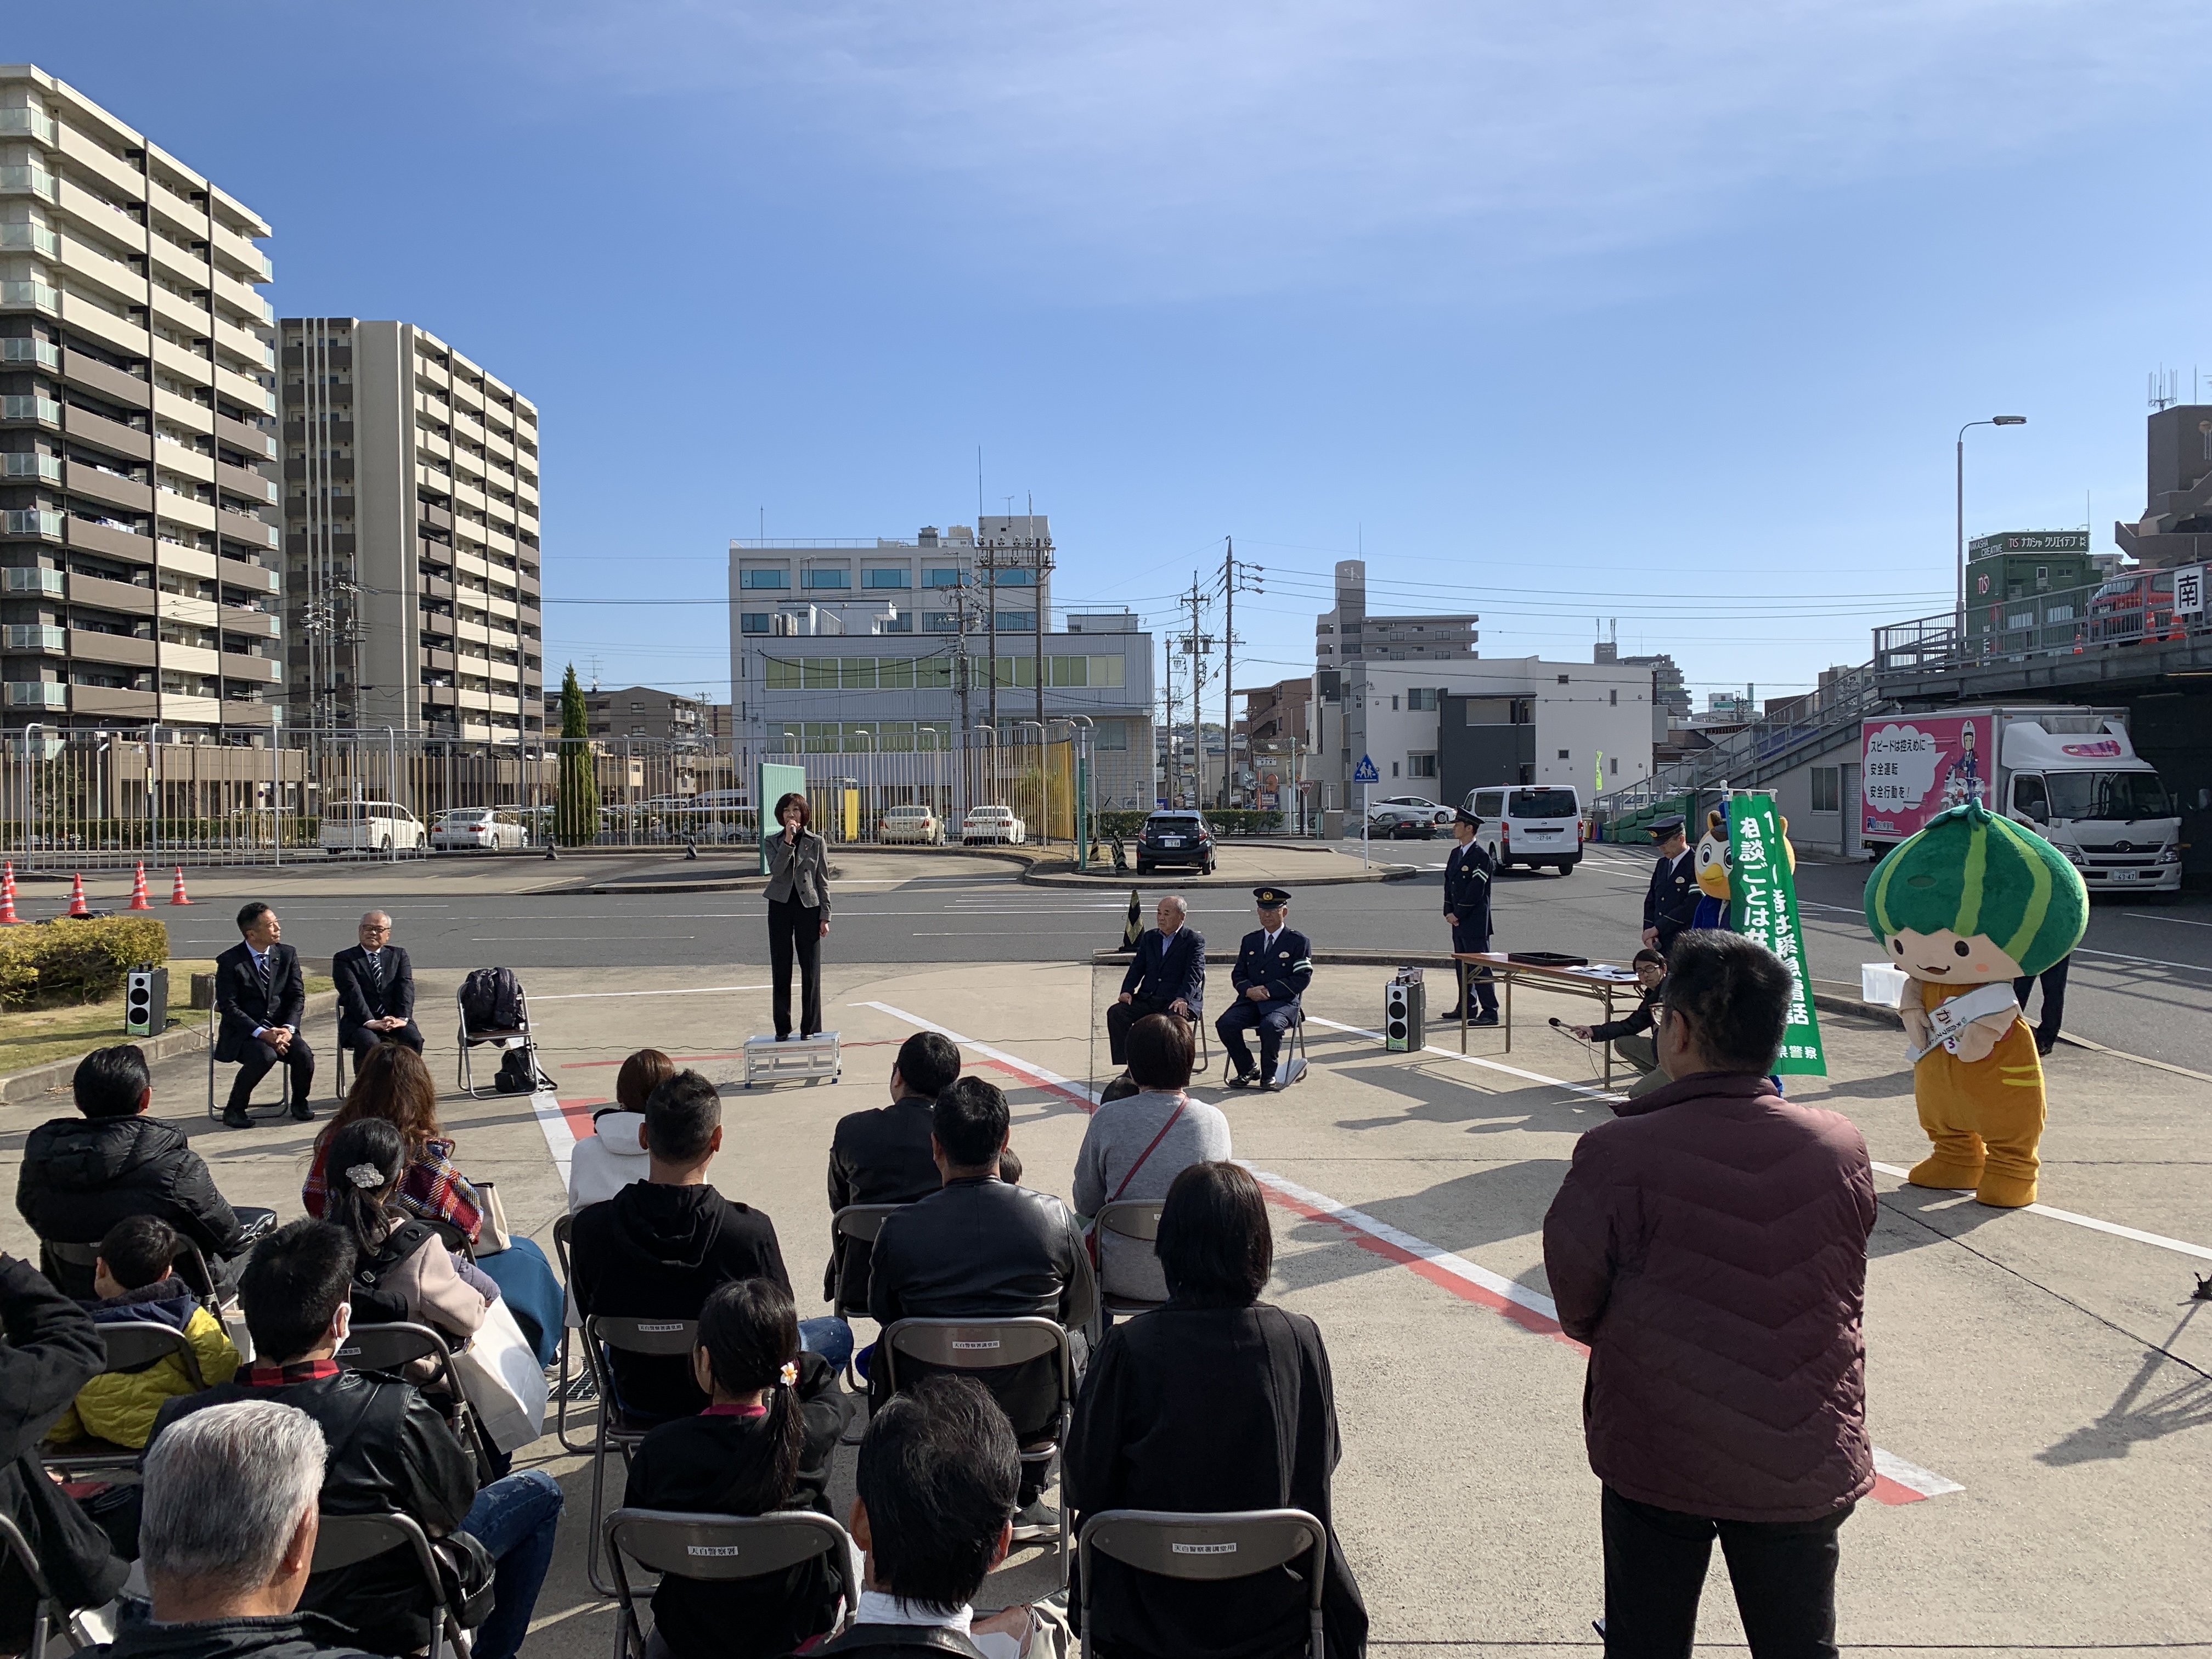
(798, 914)
(402, 1271)
(763, 1443)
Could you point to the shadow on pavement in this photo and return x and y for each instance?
(2164, 1397)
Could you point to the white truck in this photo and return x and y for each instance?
(2070, 774)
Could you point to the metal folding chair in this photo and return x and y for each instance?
(718, 1549)
(397, 1347)
(1293, 1063)
(1136, 1219)
(47, 1613)
(284, 1094)
(343, 1539)
(978, 1345)
(1204, 1062)
(661, 1337)
(131, 1346)
(862, 1222)
(564, 1227)
(1206, 1548)
(501, 1034)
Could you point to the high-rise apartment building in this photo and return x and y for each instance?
(411, 532)
(139, 576)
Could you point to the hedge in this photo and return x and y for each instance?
(56, 961)
(1227, 821)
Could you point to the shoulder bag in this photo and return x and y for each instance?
(1091, 1234)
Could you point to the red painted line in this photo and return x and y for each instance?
(578, 1114)
(1887, 1491)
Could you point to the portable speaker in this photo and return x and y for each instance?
(1401, 1017)
(146, 1002)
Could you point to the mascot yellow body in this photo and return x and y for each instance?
(1971, 903)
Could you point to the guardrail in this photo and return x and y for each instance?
(2134, 610)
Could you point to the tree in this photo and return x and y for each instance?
(576, 801)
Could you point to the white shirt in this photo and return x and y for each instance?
(881, 1607)
(261, 969)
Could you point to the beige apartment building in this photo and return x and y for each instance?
(410, 536)
(139, 580)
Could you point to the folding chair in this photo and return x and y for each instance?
(1293, 1062)
(47, 1611)
(979, 1344)
(131, 1346)
(1204, 1062)
(717, 1548)
(860, 1222)
(661, 1337)
(284, 1095)
(341, 1540)
(505, 1036)
(395, 1348)
(1206, 1548)
(1129, 1218)
(587, 1384)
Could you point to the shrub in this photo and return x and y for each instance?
(54, 962)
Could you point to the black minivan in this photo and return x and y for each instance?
(1182, 838)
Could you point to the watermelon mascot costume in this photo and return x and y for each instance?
(1971, 903)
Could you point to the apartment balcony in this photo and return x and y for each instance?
(24, 349)
(34, 636)
(106, 381)
(253, 440)
(241, 480)
(35, 694)
(45, 469)
(118, 703)
(112, 435)
(34, 580)
(109, 489)
(30, 239)
(30, 296)
(31, 521)
(125, 650)
(29, 407)
(30, 124)
(184, 708)
(108, 539)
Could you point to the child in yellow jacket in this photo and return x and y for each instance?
(136, 1283)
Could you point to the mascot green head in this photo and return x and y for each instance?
(1975, 898)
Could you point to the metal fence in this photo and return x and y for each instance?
(2125, 611)
(91, 799)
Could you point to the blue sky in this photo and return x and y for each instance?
(1556, 310)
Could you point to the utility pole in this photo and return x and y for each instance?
(1196, 646)
(1168, 759)
(1235, 577)
(991, 604)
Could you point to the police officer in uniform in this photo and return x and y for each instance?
(1467, 909)
(1273, 967)
(1671, 901)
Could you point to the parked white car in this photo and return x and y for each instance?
(910, 823)
(465, 828)
(1401, 816)
(371, 826)
(994, 823)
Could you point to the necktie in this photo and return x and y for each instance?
(376, 968)
(261, 968)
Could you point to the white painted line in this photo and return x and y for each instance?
(2089, 1221)
(553, 1125)
(1051, 1079)
(2180, 921)
(695, 991)
(1589, 1090)
(1926, 1482)
(2147, 962)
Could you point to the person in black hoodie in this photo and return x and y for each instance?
(82, 1175)
(660, 1247)
(763, 1444)
(882, 1156)
(51, 1352)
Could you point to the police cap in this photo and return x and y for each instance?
(1272, 899)
(1462, 815)
(1670, 825)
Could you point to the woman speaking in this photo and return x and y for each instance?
(798, 914)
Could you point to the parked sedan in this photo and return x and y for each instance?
(910, 823)
(1183, 839)
(465, 829)
(992, 823)
(1404, 816)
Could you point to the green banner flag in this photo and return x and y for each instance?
(1763, 907)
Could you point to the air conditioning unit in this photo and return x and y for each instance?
(146, 1002)
(1402, 1013)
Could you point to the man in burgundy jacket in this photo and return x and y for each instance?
(1709, 1245)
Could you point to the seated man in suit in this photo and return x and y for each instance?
(982, 1248)
(261, 995)
(1273, 967)
(1167, 976)
(376, 990)
(882, 1156)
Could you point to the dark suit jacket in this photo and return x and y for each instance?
(878, 1156)
(239, 998)
(1177, 970)
(361, 999)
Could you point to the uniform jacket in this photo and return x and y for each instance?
(282, 1636)
(1710, 1244)
(362, 996)
(799, 872)
(389, 1450)
(245, 1006)
(1164, 969)
(121, 1405)
(1671, 900)
(80, 1176)
(1467, 886)
(877, 1156)
(1285, 971)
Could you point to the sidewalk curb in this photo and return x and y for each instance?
(1070, 877)
(54, 1076)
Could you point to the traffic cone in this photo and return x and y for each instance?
(177, 893)
(77, 906)
(7, 916)
(1132, 929)
(139, 900)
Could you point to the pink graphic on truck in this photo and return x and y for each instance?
(1917, 765)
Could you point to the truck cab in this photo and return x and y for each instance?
(2093, 798)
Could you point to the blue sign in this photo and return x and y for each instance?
(1365, 772)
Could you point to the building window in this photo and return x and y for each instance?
(1394, 705)
(1563, 679)
(1420, 766)
(1563, 755)
(939, 622)
(1614, 697)
(940, 577)
(1016, 619)
(1020, 577)
(1422, 697)
(1827, 789)
(1394, 768)
(827, 578)
(1112, 736)
(764, 579)
(885, 578)
(901, 624)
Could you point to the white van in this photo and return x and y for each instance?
(1531, 823)
(371, 826)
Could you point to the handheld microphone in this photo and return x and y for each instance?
(1554, 1022)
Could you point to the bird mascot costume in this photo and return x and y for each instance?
(1713, 862)
(1966, 906)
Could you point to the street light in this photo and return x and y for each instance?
(1958, 615)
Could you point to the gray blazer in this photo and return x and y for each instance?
(800, 871)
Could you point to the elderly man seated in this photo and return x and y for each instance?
(1275, 964)
(1167, 976)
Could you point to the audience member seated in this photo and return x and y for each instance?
(260, 999)
(980, 1248)
(227, 1540)
(1167, 976)
(1631, 1036)
(376, 990)
(82, 1175)
(51, 1352)
(1217, 1401)
(393, 1084)
(882, 1156)
(136, 1283)
(613, 1154)
(938, 1475)
(403, 1272)
(762, 1444)
(1136, 1146)
(660, 1247)
(389, 1449)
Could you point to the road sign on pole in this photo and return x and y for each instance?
(1365, 772)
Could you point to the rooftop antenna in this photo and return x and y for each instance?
(763, 524)
(979, 487)
(2165, 387)
(595, 673)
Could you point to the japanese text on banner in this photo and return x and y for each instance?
(1765, 889)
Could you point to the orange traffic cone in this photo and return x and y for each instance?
(7, 916)
(177, 893)
(139, 900)
(77, 906)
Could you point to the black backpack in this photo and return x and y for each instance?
(519, 1073)
(491, 999)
